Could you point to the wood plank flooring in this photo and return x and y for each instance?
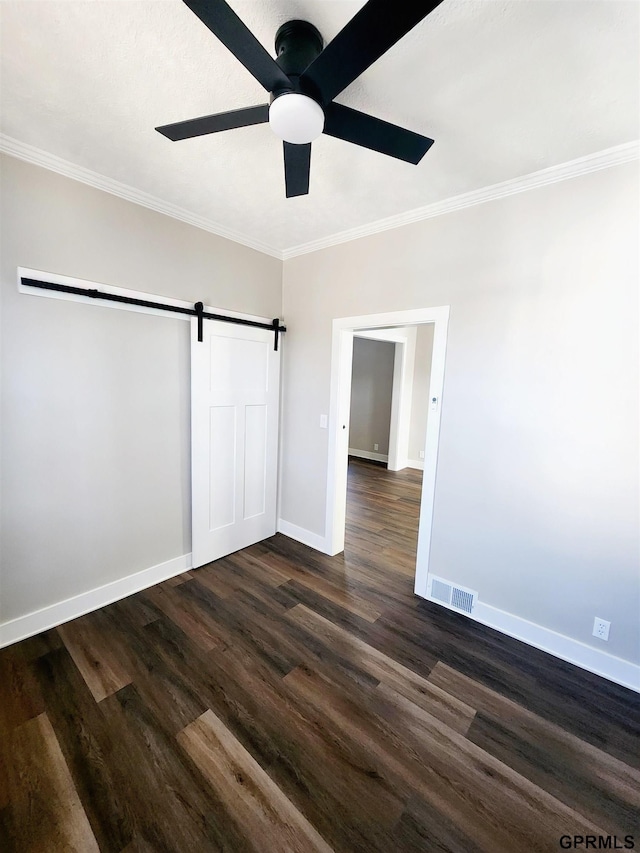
(281, 700)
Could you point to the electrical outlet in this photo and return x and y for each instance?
(422, 454)
(375, 446)
(601, 628)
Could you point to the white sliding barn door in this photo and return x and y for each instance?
(235, 375)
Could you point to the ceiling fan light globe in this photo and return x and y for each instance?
(296, 118)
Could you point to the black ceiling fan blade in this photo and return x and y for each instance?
(369, 132)
(223, 22)
(369, 34)
(215, 123)
(297, 166)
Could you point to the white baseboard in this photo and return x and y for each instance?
(418, 464)
(573, 651)
(306, 537)
(587, 657)
(56, 614)
(367, 454)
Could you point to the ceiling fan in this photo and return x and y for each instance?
(304, 79)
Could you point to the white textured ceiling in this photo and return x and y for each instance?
(505, 87)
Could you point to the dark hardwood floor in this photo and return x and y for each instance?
(281, 700)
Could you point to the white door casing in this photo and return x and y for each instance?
(235, 375)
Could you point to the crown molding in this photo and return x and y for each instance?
(564, 171)
(615, 156)
(38, 157)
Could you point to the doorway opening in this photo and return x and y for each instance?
(387, 431)
(390, 377)
(372, 381)
(344, 331)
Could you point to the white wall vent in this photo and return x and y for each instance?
(454, 596)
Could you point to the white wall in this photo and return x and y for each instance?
(95, 401)
(371, 390)
(536, 501)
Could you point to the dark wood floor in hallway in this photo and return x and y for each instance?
(281, 700)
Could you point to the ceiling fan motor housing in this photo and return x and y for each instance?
(297, 44)
(295, 111)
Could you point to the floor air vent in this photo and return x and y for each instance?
(457, 597)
